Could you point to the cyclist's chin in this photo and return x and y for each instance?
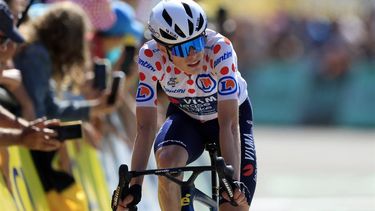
(193, 68)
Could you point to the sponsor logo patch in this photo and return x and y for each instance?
(205, 82)
(146, 65)
(227, 85)
(144, 93)
(225, 56)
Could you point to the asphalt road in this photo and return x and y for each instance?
(315, 169)
(300, 169)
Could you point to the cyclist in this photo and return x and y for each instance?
(197, 68)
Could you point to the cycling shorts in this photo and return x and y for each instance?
(180, 129)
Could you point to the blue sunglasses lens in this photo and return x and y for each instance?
(183, 49)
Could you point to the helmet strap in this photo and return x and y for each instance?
(169, 55)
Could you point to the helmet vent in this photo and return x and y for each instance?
(200, 23)
(179, 31)
(187, 9)
(167, 17)
(191, 27)
(166, 35)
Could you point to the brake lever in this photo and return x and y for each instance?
(122, 188)
(225, 173)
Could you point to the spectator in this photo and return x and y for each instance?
(33, 135)
(13, 95)
(54, 60)
(117, 35)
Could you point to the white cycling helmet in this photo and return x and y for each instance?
(175, 21)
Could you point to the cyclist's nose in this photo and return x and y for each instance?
(192, 52)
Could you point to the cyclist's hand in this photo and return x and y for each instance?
(240, 194)
(131, 198)
(122, 205)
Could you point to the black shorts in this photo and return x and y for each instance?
(181, 129)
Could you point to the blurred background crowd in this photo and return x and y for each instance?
(306, 63)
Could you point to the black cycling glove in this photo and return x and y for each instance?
(136, 192)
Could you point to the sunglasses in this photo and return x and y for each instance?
(183, 49)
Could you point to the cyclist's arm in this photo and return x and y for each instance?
(146, 129)
(229, 134)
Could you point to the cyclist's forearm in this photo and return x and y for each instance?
(146, 128)
(229, 134)
(230, 149)
(141, 154)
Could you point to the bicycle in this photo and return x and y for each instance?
(189, 193)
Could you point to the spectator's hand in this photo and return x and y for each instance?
(37, 136)
(102, 107)
(11, 79)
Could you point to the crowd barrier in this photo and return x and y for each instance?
(95, 170)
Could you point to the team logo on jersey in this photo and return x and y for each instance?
(205, 82)
(144, 93)
(173, 81)
(224, 57)
(146, 65)
(227, 85)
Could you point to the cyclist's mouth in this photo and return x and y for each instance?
(194, 64)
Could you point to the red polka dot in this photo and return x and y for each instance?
(142, 76)
(227, 41)
(154, 78)
(158, 66)
(233, 68)
(164, 60)
(162, 77)
(205, 67)
(248, 170)
(211, 63)
(177, 71)
(190, 82)
(149, 53)
(173, 100)
(217, 49)
(207, 58)
(169, 69)
(191, 91)
(224, 70)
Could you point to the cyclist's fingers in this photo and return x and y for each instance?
(127, 200)
(225, 196)
(121, 208)
(238, 194)
(240, 198)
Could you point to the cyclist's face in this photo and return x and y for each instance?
(191, 64)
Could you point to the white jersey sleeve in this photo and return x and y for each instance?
(225, 67)
(149, 68)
